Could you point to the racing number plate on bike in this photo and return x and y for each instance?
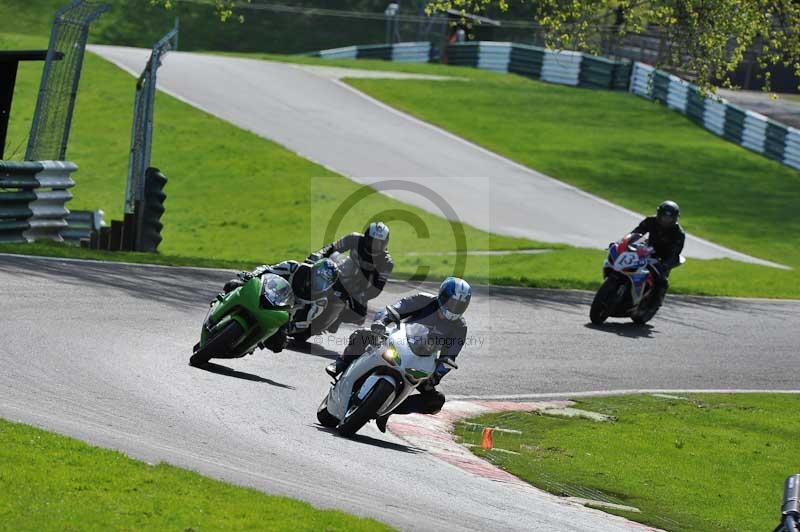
(628, 259)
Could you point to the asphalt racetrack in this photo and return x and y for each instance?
(311, 112)
(99, 351)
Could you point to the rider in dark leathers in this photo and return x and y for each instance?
(370, 253)
(310, 281)
(667, 239)
(442, 314)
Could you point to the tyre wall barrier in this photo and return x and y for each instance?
(33, 197)
(82, 224)
(562, 67)
(748, 129)
(407, 52)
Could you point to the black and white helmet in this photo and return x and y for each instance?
(454, 297)
(375, 241)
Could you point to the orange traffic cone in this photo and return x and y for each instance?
(488, 440)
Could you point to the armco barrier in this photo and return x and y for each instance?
(33, 197)
(563, 67)
(748, 129)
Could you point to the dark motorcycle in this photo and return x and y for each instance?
(628, 288)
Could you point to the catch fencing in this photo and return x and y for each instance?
(33, 197)
(142, 130)
(748, 129)
(52, 118)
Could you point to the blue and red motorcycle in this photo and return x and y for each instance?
(628, 288)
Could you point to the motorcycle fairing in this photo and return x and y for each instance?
(373, 364)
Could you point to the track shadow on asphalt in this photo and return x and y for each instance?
(315, 349)
(219, 369)
(628, 330)
(177, 287)
(373, 442)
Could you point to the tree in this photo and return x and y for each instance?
(705, 37)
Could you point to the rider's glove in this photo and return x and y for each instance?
(378, 328)
(245, 276)
(314, 257)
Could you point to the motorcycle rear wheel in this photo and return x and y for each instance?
(355, 419)
(599, 313)
(218, 345)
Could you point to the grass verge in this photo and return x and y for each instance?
(702, 462)
(50, 482)
(237, 199)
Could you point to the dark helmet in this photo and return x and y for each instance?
(668, 213)
(324, 274)
(374, 242)
(454, 297)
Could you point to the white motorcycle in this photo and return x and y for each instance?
(381, 378)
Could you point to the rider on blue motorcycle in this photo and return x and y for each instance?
(442, 314)
(667, 239)
(369, 251)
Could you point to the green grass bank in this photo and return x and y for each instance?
(51, 482)
(702, 462)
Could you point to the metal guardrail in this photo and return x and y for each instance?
(748, 129)
(33, 197)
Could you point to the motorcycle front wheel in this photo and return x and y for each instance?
(324, 417)
(647, 313)
(599, 311)
(358, 416)
(218, 345)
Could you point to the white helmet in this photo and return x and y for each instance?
(376, 239)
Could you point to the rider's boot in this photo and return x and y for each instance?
(381, 422)
(337, 367)
(333, 327)
(232, 285)
(278, 341)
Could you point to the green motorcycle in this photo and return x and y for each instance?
(244, 319)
